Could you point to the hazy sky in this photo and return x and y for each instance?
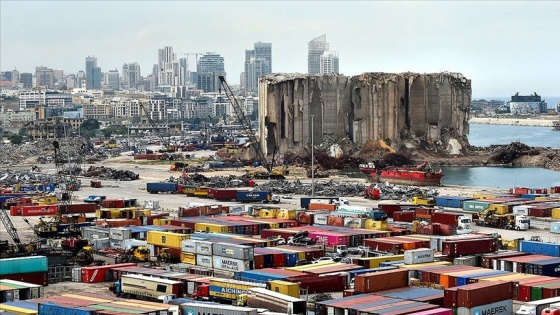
(503, 47)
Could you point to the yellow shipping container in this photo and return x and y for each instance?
(164, 221)
(377, 225)
(484, 196)
(268, 213)
(556, 213)
(49, 200)
(141, 213)
(166, 239)
(510, 277)
(211, 227)
(500, 209)
(375, 261)
(229, 289)
(285, 287)
(188, 258)
(17, 310)
(286, 214)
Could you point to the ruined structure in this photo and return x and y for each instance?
(370, 106)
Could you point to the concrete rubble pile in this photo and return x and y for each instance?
(42, 152)
(103, 172)
(9, 178)
(404, 192)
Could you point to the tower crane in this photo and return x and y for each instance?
(191, 53)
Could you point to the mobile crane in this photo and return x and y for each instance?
(274, 173)
(164, 143)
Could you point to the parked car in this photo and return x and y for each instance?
(322, 259)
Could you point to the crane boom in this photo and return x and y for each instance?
(154, 126)
(246, 123)
(11, 229)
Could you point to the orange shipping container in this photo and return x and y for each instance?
(379, 281)
(322, 206)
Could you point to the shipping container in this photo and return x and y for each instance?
(555, 227)
(504, 307)
(204, 261)
(275, 301)
(378, 281)
(285, 287)
(475, 205)
(154, 188)
(540, 248)
(418, 256)
(231, 264)
(469, 246)
(214, 308)
(166, 239)
(450, 201)
(233, 251)
(28, 211)
(483, 293)
(100, 273)
(19, 265)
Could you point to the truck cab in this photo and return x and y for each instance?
(464, 223)
(202, 292)
(165, 299)
(522, 223)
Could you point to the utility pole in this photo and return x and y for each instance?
(312, 160)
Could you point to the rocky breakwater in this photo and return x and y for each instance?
(532, 122)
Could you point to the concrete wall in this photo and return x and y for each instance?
(370, 106)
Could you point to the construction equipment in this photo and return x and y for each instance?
(135, 254)
(273, 173)
(511, 244)
(488, 217)
(166, 256)
(165, 145)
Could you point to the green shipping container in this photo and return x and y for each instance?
(29, 264)
(536, 291)
(475, 205)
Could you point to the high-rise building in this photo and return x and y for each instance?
(130, 75)
(44, 77)
(26, 79)
(93, 73)
(315, 50)
(168, 67)
(329, 62)
(13, 77)
(258, 62)
(113, 79)
(208, 68)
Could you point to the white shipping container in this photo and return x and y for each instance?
(204, 248)
(188, 246)
(497, 308)
(116, 244)
(120, 234)
(555, 227)
(418, 256)
(151, 204)
(466, 261)
(320, 219)
(231, 264)
(77, 274)
(100, 243)
(521, 210)
(204, 261)
(201, 308)
(94, 232)
(233, 251)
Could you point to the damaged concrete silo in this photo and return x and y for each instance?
(370, 106)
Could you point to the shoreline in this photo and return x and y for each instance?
(530, 122)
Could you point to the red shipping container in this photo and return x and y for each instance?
(99, 273)
(403, 216)
(381, 244)
(482, 293)
(223, 194)
(379, 281)
(550, 292)
(28, 211)
(305, 217)
(540, 211)
(77, 208)
(335, 221)
(446, 218)
(469, 247)
(118, 222)
(38, 278)
(333, 283)
(450, 297)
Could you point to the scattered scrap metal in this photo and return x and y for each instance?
(197, 179)
(103, 172)
(9, 178)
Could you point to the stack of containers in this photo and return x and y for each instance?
(232, 257)
(158, 240)
(480, 298)
(118, 235)
(32, 269)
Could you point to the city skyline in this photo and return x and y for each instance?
(503, 47)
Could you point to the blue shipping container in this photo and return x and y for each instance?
(253, 195)
(465, 280)
(450, 201)
(540, 248)
(53, 309)
(411, 293)
(154, 188)
(549, 267)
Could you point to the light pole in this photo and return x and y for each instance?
(312, 161)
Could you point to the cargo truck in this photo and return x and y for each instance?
(154, 188)
(256, 196)
(273, 301)
(147, 288)
(536, 307)
(224, 290)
